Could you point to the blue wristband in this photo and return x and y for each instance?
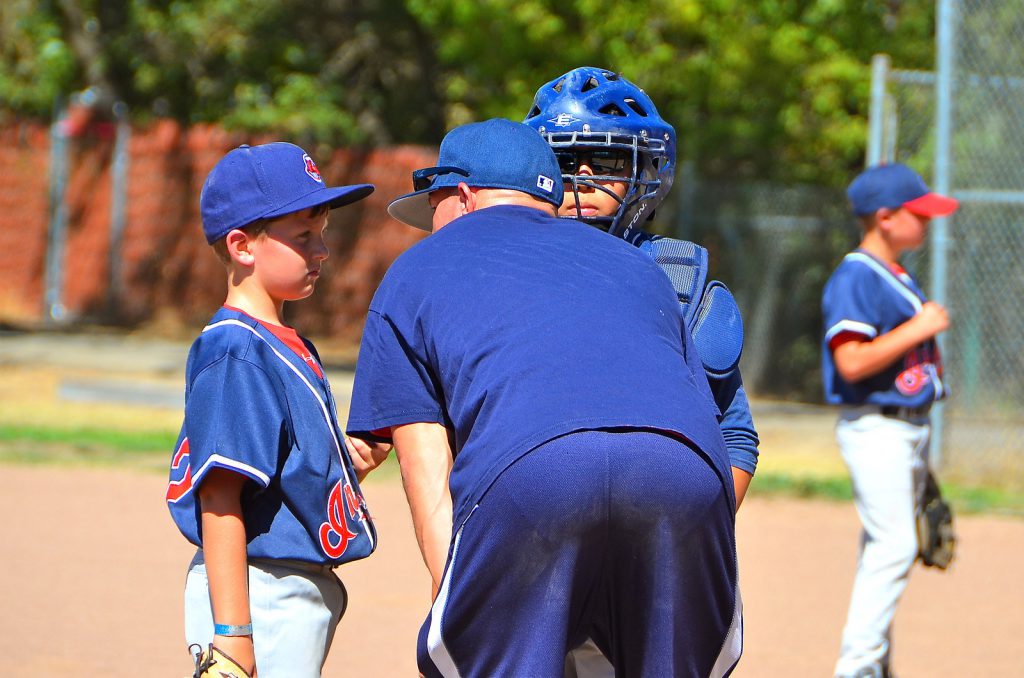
(232, 629)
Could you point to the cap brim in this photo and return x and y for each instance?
(332, 197)
(932, 205)
(414, 209)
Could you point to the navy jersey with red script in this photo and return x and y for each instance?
(864, 299)
(511, 328)
(260, 406)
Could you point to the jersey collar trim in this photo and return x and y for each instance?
(888, 276)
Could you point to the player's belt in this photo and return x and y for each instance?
(293, 564)
(905, 412)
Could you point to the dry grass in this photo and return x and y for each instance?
(29, 398)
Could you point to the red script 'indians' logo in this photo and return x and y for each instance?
(910, 381)
(916, 375)
(334, 534)
(311, 169)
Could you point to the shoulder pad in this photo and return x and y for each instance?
(717, 331)
(708, 308)
(686, 265)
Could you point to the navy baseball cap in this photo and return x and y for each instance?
(894, 186)
(263, 182)
(496, 153)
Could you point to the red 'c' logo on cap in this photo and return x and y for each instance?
(311, 169)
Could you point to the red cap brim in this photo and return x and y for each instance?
(932, 205)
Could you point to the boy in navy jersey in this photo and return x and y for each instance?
(881, 365)
(262, 480)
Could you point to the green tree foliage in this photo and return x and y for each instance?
(333, 71)
(774, 89)
(36, 63)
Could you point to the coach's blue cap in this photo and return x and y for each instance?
(263, 182)
(496, 153)
(894, 186)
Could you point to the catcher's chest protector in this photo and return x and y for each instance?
(708, 308)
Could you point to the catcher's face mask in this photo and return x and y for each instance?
(595, 114)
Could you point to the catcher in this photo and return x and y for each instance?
(617, 157)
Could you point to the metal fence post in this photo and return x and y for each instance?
(53, 286)
(118, 200)
(944, 84)
(876, 116)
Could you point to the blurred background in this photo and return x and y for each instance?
(112, 113)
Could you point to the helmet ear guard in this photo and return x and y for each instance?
(597, 108)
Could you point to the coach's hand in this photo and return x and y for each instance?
(366, 455)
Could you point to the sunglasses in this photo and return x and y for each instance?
(601, 161)
(423, 179)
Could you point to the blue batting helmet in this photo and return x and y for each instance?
(594, 108)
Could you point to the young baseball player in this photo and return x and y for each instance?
(881, 366)
(261, 480)
(560, 487)
(617, 158)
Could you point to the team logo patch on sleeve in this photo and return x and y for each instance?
(176, 489)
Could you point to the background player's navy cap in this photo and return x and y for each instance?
(263, 182)
(894, 186)
(496, 153)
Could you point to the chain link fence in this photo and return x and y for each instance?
(961, 127)
(774, 245)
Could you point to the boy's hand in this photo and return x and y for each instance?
(239, 649)
(220, 662)
(366, 455)
(932, 319)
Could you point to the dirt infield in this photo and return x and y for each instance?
(94, 568)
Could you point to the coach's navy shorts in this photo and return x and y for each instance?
(625, 537)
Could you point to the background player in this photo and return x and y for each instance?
(560, 488)
(617, 158)
(881, 365)
(259, 480)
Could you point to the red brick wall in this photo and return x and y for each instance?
(167, 270)
(24, 150)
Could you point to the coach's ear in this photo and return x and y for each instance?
(238, 244)
(467, 198)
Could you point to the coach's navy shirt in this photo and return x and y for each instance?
(511, 328)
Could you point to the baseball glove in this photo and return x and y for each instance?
(215, 664)
(935, 536)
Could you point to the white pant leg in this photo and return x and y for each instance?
(888, 460)
(295, 613)
(586, 661)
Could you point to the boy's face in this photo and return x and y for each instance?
(589, 162)
(288, 255)
(907, 231)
